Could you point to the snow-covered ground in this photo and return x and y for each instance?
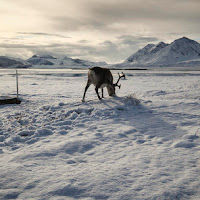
(142, 144)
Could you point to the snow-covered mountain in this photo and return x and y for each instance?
(61, 62)
(47, 61)
(8, 62)
(180, 52)
(37, 60)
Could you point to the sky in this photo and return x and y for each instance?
(96, 30)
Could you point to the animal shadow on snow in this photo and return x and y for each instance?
(146, 122)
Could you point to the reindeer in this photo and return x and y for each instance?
(100, 78)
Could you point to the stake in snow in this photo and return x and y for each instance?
(17, 85)
(100, 78)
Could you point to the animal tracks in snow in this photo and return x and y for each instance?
(29, 125)
(188, 141)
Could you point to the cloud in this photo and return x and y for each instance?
(83, 41)
(133, 40)
(110, 51)
(149, 10)
(102, 15)
(42, 34)
(28, 46)
(94, 29)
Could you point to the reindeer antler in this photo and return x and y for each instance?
(120, 76)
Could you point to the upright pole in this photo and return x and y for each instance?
(17, 84)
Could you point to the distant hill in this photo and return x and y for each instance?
(181, 52)
(47, 61)
(8, 62)
(61, 62)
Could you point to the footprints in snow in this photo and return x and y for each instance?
(47, 120)
(130, 135)
(187, 141)
(29, 126)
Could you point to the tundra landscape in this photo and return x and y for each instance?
(142, 143)
(99, 100)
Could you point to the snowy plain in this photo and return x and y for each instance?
(142, 144)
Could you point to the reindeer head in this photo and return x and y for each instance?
(111, 88)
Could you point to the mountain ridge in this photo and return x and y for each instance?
(179, 51)
(47, 61)
(62, 61)
(9, 62)
(182, 52)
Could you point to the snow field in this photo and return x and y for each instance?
(142, 144)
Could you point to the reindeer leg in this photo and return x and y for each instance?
(86, 88)
(102, 93)
(96, 89)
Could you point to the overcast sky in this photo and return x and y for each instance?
(97, 30)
